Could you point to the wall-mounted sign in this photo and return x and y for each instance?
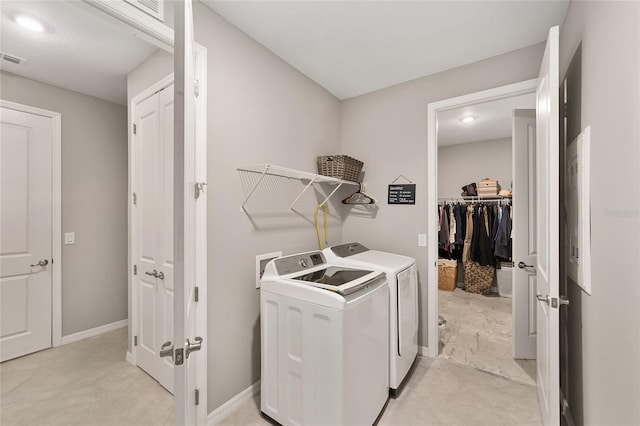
(402, 193)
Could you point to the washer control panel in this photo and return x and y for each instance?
(299, 262)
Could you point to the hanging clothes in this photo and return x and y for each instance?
(485, 251)
(475, 247)
(503, 242)
(443, 236)
(452, 225)
(466, 251)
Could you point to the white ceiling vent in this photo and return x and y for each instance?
(154, 8)
(12, 58)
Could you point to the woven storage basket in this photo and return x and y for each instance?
(478, 279)
(447, 271)
(340, 167)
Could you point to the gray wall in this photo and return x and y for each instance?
(150, 71)
(261, 110)
(462, 164)
(94, 200)
(387, 130)
(609, 336)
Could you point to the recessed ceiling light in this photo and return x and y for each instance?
(29, 23)
(467, 119)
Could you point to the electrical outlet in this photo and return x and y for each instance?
(422, 240)
(69, 237)
(261, 263)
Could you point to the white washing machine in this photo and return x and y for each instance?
(402, 276)
(324, 340)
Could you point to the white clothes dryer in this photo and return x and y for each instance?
(402, 276)
(324, 340)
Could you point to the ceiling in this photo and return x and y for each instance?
(77, 50)
(355, 47)
(348, 47)
(493, 120)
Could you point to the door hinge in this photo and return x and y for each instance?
(565, 108)
(199, 189)
(196, 294)
(197, 88)
(197, 397)
(135, 129)
(135, 340)
(135, 269)
(135, 199)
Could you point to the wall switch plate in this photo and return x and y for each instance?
(69, 237)
(422, 240)
(261, 263)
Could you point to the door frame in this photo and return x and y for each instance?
(520, 88)
(56, 209)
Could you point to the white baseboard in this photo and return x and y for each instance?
(129, 358)
(93, 331)
(423, 351)
(226, 409)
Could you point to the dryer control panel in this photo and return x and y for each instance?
(299, 262)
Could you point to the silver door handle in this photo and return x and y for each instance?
(155, 274)
(523, 265)
(166, 350)
(542, 298)
(192, 347)
(43, 262)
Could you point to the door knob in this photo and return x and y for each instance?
(155, 274)
(166, 349)
(43, 262)
(523, 265)
(192, 347)
(542, 298)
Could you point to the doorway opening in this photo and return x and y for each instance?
(90, 320)
(471, 138)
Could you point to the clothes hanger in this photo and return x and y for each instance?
(359, 197)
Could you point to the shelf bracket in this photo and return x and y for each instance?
(266, 169)
(331, 195)
(303, 191)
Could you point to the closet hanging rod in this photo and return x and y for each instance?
(473, 199)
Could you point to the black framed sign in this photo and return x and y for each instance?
(402, 194)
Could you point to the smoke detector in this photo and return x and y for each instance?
(17, 60)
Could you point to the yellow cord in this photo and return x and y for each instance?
(326, 224)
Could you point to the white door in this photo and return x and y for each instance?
(547, 240)
(190, 376)
(26, 147)
(153, 210)
(524, 301)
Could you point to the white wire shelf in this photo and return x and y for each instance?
(284, 172)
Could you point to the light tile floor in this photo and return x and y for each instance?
(83, 383)
(441, 392)
(479, 334)
(90, 383)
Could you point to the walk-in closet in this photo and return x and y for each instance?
(476, 269)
